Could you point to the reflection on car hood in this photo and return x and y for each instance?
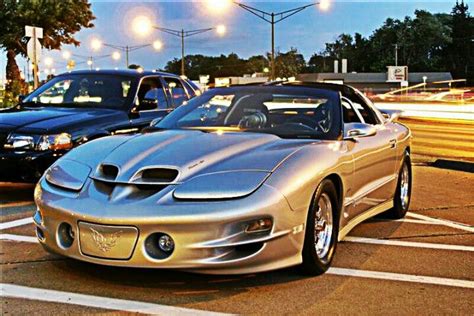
(49, 118)
(191, 152)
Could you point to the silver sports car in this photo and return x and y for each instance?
(238, 180)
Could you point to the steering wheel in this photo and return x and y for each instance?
(304, 121)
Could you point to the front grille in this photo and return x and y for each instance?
(3, 140)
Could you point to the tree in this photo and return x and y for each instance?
(60, 20)
(289, 64)
(460, 51)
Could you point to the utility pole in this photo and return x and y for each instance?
(187, 33)
(396, 54)
(273, 18)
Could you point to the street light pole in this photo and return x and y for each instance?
(184, 34)
(273, 18)
(127, 49)
(182, 53)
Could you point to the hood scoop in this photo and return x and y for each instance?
(146, 176)
(155, 175)
(108, 172)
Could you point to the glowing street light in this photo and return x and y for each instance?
(115, 55)
(142, 26)
(48, 61)
(66, 55)
(157, 45)
(221, 29)
(96, 44)
(218, 5)
(324, 5)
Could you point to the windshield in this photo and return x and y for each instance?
(285, 112)
(84, 90)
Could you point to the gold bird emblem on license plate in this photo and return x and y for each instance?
(103, 242)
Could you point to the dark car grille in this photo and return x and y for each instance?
(3, 139)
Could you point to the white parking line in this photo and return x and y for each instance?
(402, 277)
(16, 223)
(444, 222)
(401, 243)
(17, 291)
(415, 221)
(11, 237)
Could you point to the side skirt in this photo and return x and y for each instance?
(364, 216)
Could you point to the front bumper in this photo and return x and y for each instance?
(209, 237)
(25, 166)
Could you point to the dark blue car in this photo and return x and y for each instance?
(76, 107)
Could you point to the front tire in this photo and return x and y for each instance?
(401, 200)
(322, 228)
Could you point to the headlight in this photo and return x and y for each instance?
(55, 142)
(18, 142)
(68, 174)
(61, 141)
(221, 185)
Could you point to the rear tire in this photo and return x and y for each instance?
(401, 200)
(322, 228)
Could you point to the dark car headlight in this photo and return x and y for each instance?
(221, 185)
(68, 174)
(54, 142)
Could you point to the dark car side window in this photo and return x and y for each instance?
(177, 91)
(151, 91)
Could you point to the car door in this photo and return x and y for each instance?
(152, 102)
(374, 177)
(176, 91)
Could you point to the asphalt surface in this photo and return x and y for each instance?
(430, 272)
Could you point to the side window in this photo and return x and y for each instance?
(151, 95)
(365, 110)
(348, 112)
(177, 91)
(189, 89)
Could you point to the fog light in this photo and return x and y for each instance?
(65, 235)
(260, 225)
(166, 243)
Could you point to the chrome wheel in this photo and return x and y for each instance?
(323, 225)
(404, 187)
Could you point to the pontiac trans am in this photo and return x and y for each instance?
(237, 180)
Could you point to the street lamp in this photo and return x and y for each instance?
(220, 30)
(157, 45)
(270, 17)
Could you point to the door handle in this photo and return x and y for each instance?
(393, 143)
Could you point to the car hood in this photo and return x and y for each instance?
(192, 153)
(40, 120)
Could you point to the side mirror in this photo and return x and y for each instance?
(391, 115)
(353, 131)
(156, 121)
(21, 98)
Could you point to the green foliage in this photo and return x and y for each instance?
(427, 42)
(218, 66)
(60, 20)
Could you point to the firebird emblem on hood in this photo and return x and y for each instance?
(103, 242)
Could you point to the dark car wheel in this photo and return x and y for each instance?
(322, 228)
(401, 200)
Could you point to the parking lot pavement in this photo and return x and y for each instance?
(422, 264)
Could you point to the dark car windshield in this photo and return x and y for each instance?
(85, 90)
(287, 112)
